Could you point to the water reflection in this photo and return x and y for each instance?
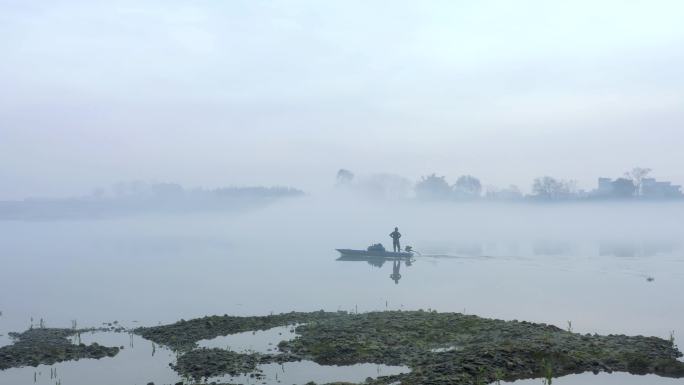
(379, 262)
(603, 379)
(470, 249)
(396, 276)
(553, 248)
(636, 249)
(135, 365)
(131, 263)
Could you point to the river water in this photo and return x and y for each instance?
(608, 269)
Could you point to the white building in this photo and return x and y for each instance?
(650, 188)
(605, 187)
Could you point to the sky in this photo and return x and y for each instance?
(215, 93)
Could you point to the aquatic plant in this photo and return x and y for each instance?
(514, 348)
(498, 376)
(48, 346)
(480, 379)
(547, 372)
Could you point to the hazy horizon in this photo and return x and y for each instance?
(183, 159)
(262, 93)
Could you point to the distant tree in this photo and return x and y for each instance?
(99, 193)
(468, 187)
(166, 189)
(124, 189)
(623, 188)
(637, 176)
(550, 188)
(256, 192)
(433, 187)
(344, 176)
(512, 192)
(388, 186)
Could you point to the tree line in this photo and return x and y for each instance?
(631, 185)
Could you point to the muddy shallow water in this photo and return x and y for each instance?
(141, 362)
(599, 278)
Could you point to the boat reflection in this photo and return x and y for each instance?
(379, 262)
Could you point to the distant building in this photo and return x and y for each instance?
(605, 187)
(652, 189)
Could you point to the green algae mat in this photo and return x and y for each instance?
(439, 348)
(46, 346)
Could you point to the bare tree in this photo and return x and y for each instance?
(550, 188)
(344, 176)
(637, 176)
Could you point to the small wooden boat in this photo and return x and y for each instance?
(374, 251)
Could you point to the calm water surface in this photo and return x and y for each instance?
(597, 275)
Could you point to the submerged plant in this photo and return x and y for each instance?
(548, 373)
(498, 376)
(480, 379)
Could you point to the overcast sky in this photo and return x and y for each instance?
(211, 93)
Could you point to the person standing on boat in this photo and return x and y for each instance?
(395, 239)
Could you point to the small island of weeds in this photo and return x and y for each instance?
(47, 346)
(439, 348)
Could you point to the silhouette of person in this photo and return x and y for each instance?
(395, 271)
(395, 239)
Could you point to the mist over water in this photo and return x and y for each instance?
(529, 152)
(608, 268)
(281, 258)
